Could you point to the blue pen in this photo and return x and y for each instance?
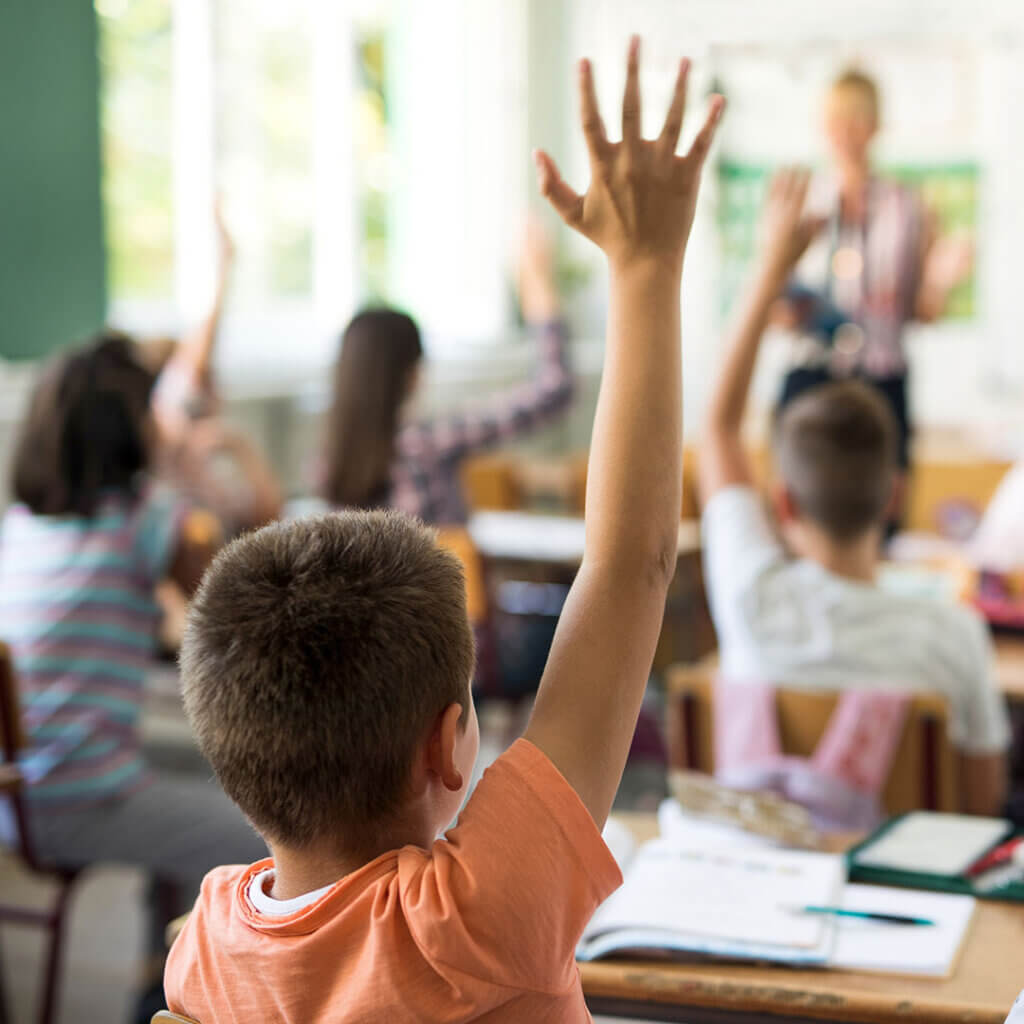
(867, 915)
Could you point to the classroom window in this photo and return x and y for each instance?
(263, 144)
(364, 152)
(135, 104)
(374, 158)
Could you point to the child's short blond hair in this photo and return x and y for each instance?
(854, 80)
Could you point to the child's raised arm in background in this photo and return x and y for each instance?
(638, 208)
(786, 235)
(185, 388)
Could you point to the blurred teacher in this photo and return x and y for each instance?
(875, 266)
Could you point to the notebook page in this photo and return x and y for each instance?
(902, 949)
(934, 844)
(738, 894)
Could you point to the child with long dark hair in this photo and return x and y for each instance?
(81, 553)
(374, 458)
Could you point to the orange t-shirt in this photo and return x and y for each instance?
(483, 926)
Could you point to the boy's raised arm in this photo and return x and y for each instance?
(638, 208)
(786, 235)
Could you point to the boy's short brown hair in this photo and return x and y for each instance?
(317, 655)
(835, 447)
(856, 80)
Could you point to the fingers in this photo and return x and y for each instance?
(789, 187)
(799, 186)
(590, 114)
(562, 197)
(631, 97)
(669, 138)
(812, 227)
(702, 144)
(777, 189)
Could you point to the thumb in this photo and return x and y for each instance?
(567, 202)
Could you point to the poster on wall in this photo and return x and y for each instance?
(949, 190)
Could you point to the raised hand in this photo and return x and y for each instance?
(785, 230)
(538, 292)
(641, 199)
(225, 243)
(950, 262)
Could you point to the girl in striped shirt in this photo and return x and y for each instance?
(81, 553)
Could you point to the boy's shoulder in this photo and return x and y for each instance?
(219, 891)
(928, 604)
(1017, 1011)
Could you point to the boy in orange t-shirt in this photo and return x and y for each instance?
(327, 668)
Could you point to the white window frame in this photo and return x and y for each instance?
(462, 188)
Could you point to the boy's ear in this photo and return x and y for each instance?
(441, 748)
(784, 504)
(897, 495)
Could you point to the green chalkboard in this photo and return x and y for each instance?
(52, 263)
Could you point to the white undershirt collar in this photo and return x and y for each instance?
(264, 904)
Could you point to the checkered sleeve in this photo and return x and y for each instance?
(452, 437)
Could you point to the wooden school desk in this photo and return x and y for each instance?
(981, 990)
(1010, 667)
(549, 549)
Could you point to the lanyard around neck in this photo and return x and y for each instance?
(846, 262)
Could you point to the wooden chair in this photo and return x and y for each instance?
(490, 482)
(52, 918)
(923, 774)
(457, 540)
(166, 1017)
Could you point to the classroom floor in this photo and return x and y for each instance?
(106, 923)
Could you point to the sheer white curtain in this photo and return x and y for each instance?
(264, 101)
(462, 162)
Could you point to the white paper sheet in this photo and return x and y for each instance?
(902, 949)
(738, 894)
(934, 844)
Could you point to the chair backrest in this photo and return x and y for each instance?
(923, 774)
(490, 482)
(13, 740)
(457, 540)
(12, 734)
(166, 1017)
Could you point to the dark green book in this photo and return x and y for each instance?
(873, 874)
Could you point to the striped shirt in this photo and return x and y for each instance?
(78, 611)
(880, 291)
(429, 453)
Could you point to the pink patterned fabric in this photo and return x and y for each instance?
(841, 782)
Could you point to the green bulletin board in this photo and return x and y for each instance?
(949, 190)
(51, 227)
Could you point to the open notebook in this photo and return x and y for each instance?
(738, 901)
(719, 901)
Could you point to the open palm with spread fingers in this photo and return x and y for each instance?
(642, 196)
(785, 228)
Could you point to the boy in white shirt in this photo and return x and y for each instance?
(800, 606)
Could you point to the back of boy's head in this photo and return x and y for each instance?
(835, 447)
(317, 656)
(86, 433)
